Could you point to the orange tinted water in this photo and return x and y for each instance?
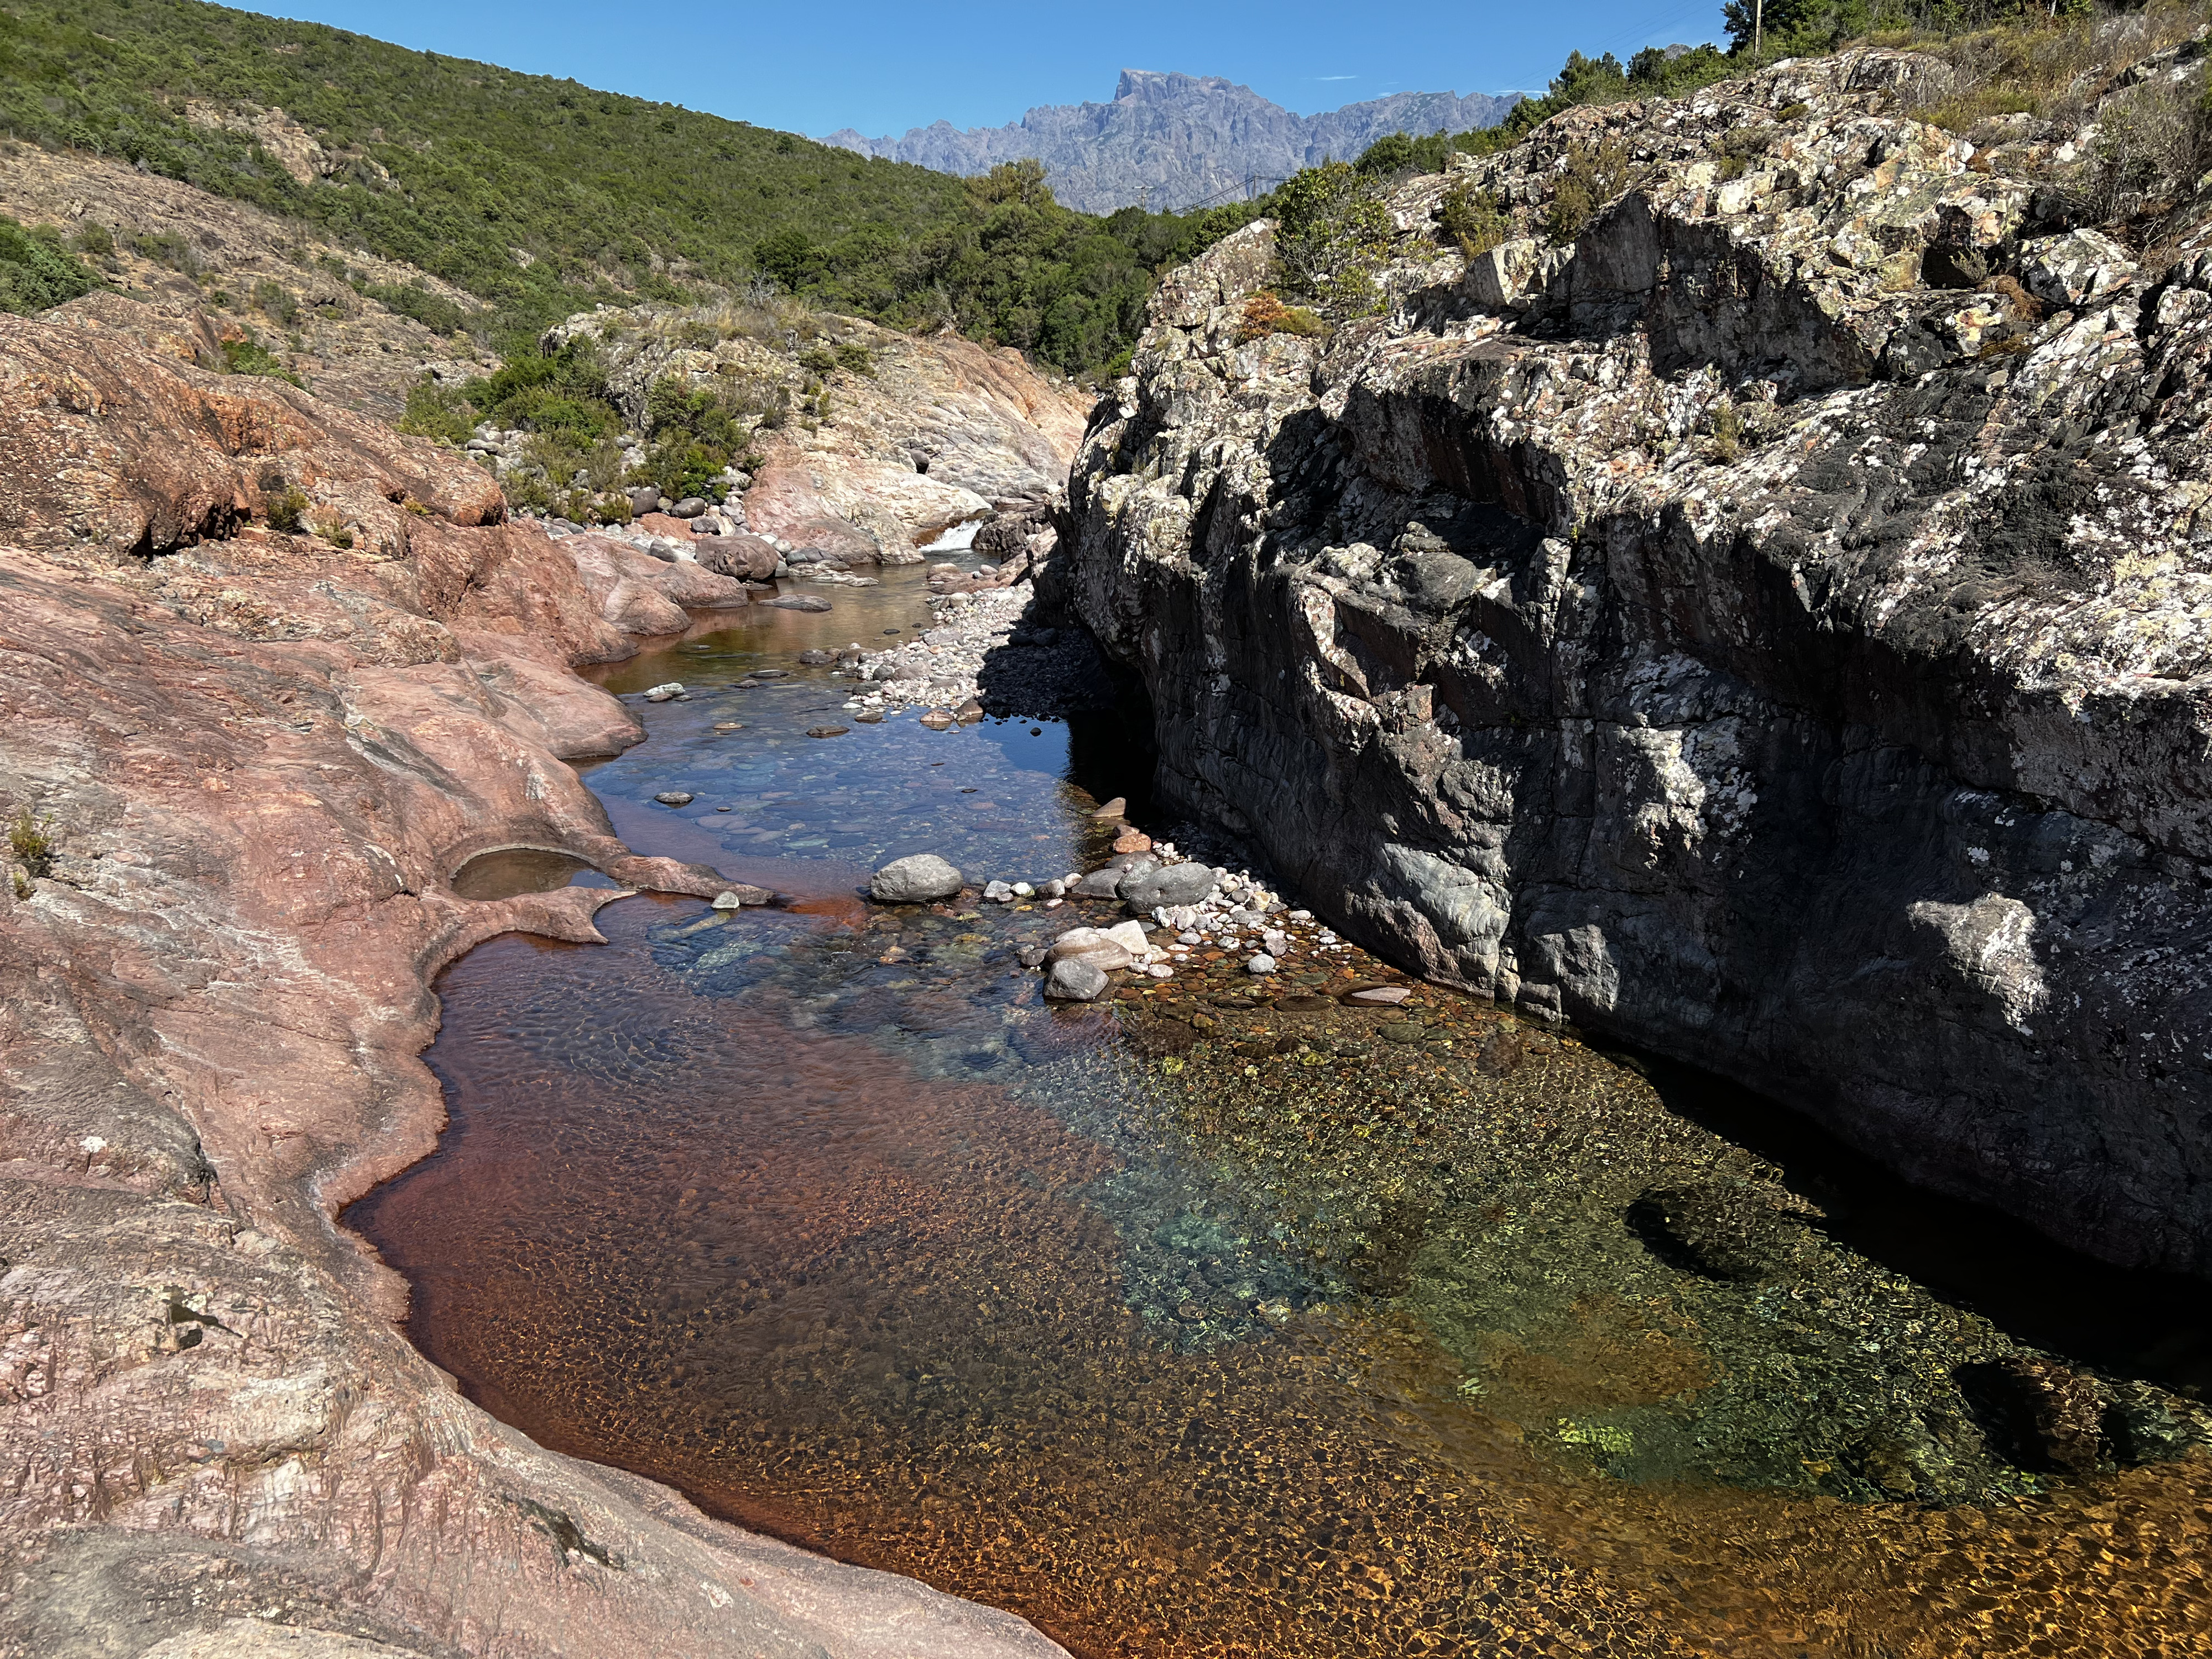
(839, 1228)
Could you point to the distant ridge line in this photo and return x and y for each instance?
(1172, 141)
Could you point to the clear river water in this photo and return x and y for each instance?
(1226, 1318)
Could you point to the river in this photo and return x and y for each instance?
(1227, 1317)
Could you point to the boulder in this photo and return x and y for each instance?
(2070, 271)
(915, 879)
(1093, 944)
(1170, 885)
(748, 559)
(800, 602)
(1075, 979)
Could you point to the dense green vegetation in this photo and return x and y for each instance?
(542, 197)
(37, 271)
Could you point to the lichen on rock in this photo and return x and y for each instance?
(1770, 623)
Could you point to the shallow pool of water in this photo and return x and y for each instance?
(1229, 1318)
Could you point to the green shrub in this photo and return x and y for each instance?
(277, 303)
(247, 355)
(434, 312)
(286, 511)
(1594, 174)
(856, 358)
(1332, 237)
(1470, 219)
(1727, 424)
(31, 839)
(438, 411)
(1398, 156)
(35, 272)
(819, 359)
(167, 247)
(93, 241)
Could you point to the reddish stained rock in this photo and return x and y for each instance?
(751, 558)
(105, 445)
(263, 760)
(641, 595)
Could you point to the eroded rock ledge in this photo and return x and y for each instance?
(263, 756)
(1727, 630)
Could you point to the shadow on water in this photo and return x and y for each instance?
(2131, 1322)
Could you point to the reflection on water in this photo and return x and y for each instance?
(1228, 1319)
(510, 870)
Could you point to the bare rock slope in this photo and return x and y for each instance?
(191, 270)
(1769, 624)
(260, 758)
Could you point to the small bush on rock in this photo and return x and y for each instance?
(32, 842)
(1332, 237)
(437, 411)
(276, 302)
(1471, 220)
(35, 272)
(247, 355)
(286, 511)
(1594, 174)
(1266, 314)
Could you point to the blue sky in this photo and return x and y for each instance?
(814, 67)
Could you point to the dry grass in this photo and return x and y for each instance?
(2057, 73)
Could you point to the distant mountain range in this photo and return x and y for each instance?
(1177, 140)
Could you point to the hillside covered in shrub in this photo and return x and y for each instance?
(543, 197)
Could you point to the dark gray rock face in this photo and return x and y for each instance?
(1176, 139)
(1716, 633)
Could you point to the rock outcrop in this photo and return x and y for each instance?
(871, 444)
(1169, 141)
(191, 270)
(1767, 621)
(250, 763)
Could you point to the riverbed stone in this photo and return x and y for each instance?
(1075, 979)
(675, 798)
(1094, 945)
(1146, 890)
(915, 879)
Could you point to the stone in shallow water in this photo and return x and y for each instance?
(1090, 945)
(674, 798)
(999, 892)
(1075, 979)
(800, 602)
(1383, 995)
(1173, 885)
(915, 879)
(1262, 963)
(827, 731)
(663, 693)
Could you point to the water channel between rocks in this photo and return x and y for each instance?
(1224, 1318)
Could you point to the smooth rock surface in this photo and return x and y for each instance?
(915, 879)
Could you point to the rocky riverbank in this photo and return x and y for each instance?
(1760, 618)
(244, 765)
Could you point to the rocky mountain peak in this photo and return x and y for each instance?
(1172, 140)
